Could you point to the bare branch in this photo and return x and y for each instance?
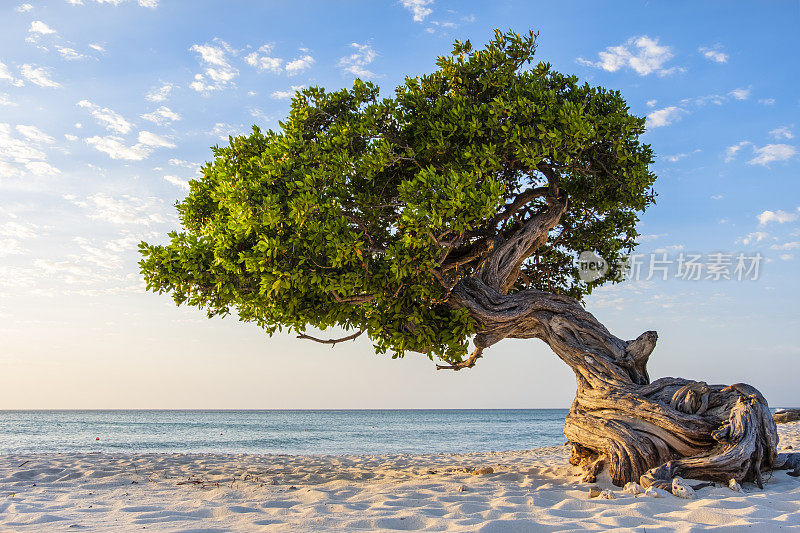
(355, 299)
(332, 342)
(520, 201)
(476, 354)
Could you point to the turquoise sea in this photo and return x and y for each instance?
(280, 431)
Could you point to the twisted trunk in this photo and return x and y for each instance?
(642, 431)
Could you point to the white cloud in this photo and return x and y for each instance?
(5, 74)
(177, 181)
(35, 134)
(213, 55)
(124, 209)
(37, 75)
(795, 245)
(146, 138)
(116, 148)
(771, 153)
(756, 236)
(70, 137)
(161, 116)
(258, 113)
(779, 216)
(40, 168)
(103, 258)
(106, 117)
(11, 247)
(285, 95)
(418, 8)
(642, 54)
(714, 54)
(181, 163)
(223, 130)
(784, 132)
(159, 94)
(19, 231)
(357, 62)
(299, 64)
(740, 94)
(652, 103)
(786, 257)
(674, 158)
(218, 72)
(22, 8)
(98, 47)
(37, 26)
(264, 60)
(767, 101)
(69, 54)
(19, 157)
(717, 196)
(5, 100)
(664, 117)
(731, 151)
(143, 3)
(16, 150)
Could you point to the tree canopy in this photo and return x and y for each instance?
(365, 212)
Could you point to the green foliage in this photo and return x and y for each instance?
(341, 218)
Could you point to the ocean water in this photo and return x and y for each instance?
(288, 432)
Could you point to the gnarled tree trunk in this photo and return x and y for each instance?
(640, 430)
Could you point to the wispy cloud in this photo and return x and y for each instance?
(262, 59)
(714, 53)
(419, 8)
(159, 94)
(285, 95)
(121, 210)
(664, 117)
(107, 118)
(779, 216)
(144, 3)
(33, 133)
(5, 74)
(754, 237)
(731, 151)
(39, 27)
(772, 153)
(21, 156)
(183, 184)
(116, 148)
(218, 73)
(300, 64)
(644, 55)
(70, 54)
(162, 116)
(357, 62)
(38, 76)
(740, 93)
(146, 138)
(784, 132)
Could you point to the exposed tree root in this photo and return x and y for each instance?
(641, 431)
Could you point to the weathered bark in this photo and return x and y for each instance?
(641, 431)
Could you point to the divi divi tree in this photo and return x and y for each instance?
(450, 213)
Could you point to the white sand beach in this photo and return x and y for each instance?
(533, 490)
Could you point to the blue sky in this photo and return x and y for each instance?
(107, 108)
